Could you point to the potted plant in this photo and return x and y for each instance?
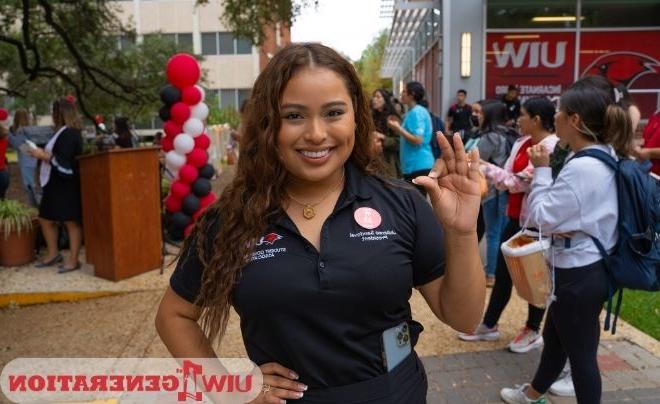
(17, 233)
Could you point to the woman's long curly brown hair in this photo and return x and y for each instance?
(257, 191)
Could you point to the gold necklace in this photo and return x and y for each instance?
(308, 208)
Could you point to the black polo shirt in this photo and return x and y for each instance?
(321, 314)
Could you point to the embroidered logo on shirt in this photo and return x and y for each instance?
(269, 239)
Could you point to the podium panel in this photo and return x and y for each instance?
(121, 211)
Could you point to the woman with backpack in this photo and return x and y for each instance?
(581, 203)
(536, 126)
(416, 131)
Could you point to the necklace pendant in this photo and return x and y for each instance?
(308, 212)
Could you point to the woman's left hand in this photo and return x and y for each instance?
(453, 186)
(539, 156)
(393, 123)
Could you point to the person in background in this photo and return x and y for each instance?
(27, 163)
(125, 137)
(381, 110)
(650, 147)
(458, 116)
(493, 147)
(158, 138)
(510, 99)
(415, 147)
(4, 172)
(398, 107)
(579, 204)
(537, 127)
(60, 181)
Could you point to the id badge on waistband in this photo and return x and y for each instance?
(396, 345)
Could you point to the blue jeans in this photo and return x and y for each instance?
(27, 175)
(494, 211)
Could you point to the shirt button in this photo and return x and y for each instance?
(321, 264)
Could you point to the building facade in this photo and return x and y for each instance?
(483, 46)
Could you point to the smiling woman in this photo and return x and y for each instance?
(319, 253)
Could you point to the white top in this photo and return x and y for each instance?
(44, 170)
(583, 199)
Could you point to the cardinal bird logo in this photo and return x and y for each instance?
(269, 239)
(623, 67)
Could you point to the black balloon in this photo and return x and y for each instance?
(170, 95)
(180, 220)
(164, 113)
(207, 171)
(190, 204)
(201, 187)
(175, 233)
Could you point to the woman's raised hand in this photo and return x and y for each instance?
(453, 186)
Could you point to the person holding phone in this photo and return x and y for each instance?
(319, 253)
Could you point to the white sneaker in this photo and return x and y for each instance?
(564, 385)
(527, 340)
(482, 333)
(517, 395)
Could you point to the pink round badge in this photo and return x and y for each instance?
(368, 218)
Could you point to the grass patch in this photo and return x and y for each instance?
(642, 310)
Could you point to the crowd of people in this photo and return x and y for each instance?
(48, 166)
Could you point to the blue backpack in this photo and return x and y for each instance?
(635, 262)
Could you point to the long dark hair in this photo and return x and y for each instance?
(380, 116)
(601, 119)
(416, 90)
(494, 113)
(544, 109)
(256, 194)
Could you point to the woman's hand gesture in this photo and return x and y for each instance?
(279, 385)
(453, 186)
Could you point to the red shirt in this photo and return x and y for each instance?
(520, 162)
(3, 152)
(652, 139)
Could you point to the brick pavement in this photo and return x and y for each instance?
(630, 374)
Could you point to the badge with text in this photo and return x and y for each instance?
(367, 217)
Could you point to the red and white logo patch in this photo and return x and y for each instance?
(269, 239)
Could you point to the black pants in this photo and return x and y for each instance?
(501, 293)
(4, 182)
(415, 174)
(572, 331)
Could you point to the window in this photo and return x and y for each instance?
(126, 42)
(232, 97)
(228, 98)
(224, 43)
(209, 44)
(243, 46)
(631, 13)
(531, 14)
(185, 42)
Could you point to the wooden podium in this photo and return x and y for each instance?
(121, 211)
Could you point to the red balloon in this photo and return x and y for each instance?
(180, 189)
(173, 204)
(180, 113)
(3, 114)
(205, 201)
(202, 141)
(182, 70)
(172, 128)
(188, 229)
(188, 173)
(167, 143)
(197, 158)
(191, 95)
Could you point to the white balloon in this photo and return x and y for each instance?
(194, 127)
(199, 111)
(183, 143)
(174, 159)
(201, 91)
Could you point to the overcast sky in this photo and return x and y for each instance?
(347, 26)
